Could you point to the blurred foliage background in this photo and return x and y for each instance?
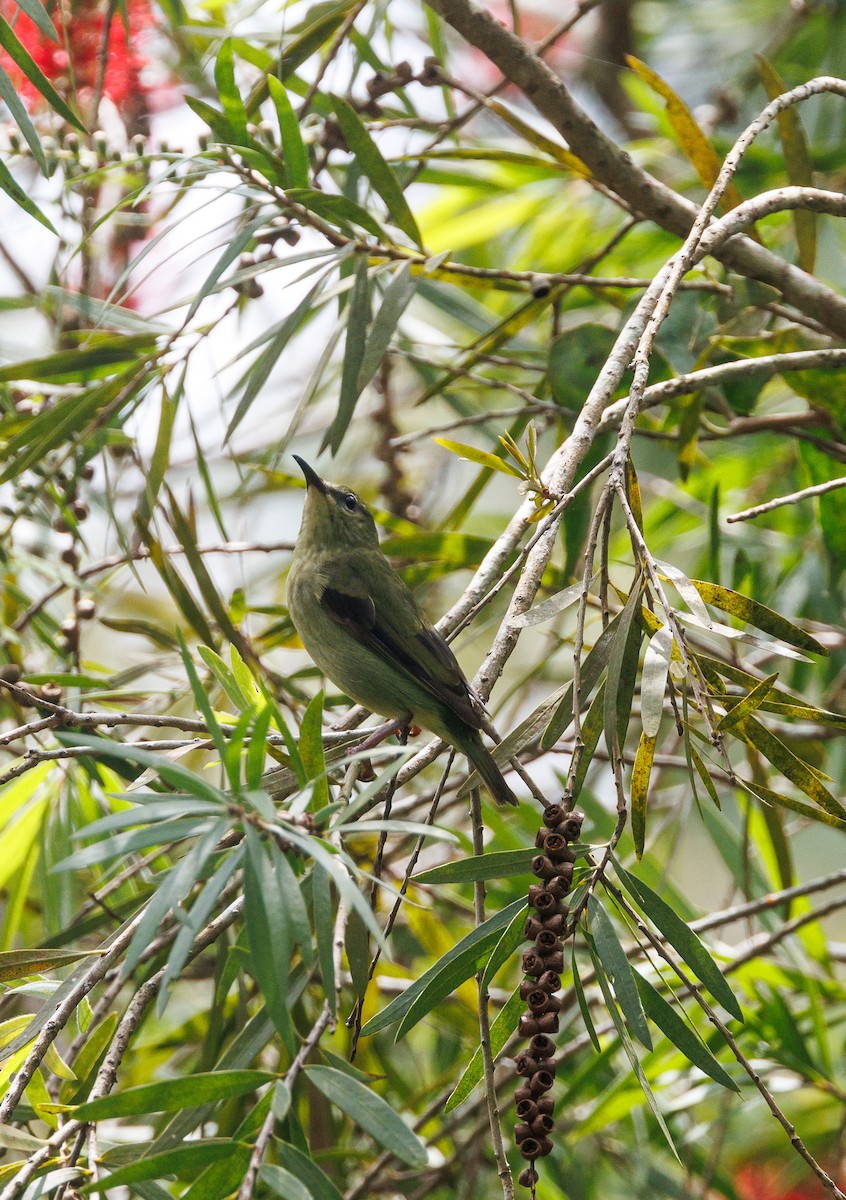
(235, 957)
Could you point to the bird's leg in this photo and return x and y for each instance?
(401, 726)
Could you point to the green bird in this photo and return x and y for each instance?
(364, 629)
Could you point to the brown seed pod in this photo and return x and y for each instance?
(522, 1094)
(572, 826)
(547, 1022)
(528, 1026)
(553, 815)
(544, 867)
(546, 941)
(528, 1177)
(541, 1125)
(521, 1132)
(534, 925)
(533, 963)
(542, 1046)
(554, 963)
(542, 1080)
(546, 902)
(550, 981)
(544, 1104)
(555, 922)
(555, 845)
(532, 1147)
(526, 1064)
(558, 887)
(527, 1109)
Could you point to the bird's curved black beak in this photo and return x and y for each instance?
(311, 477)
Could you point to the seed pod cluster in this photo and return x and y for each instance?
(543, 961)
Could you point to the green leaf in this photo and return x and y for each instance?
(38, 14)
(358, 316)
(370, 1112)
(15, 192)
(448, 973)
(559, 719)
(283, 1183)
(505, 1023)
(499, 864)
(511, 938)
(24, 60)
(171, 1095)
(680, 1034)
(340, 210)
(187, 1158)
(619, 969)
(311, 750)
(16, 107)
(293, 148)
(484, 458)
(257, 376)
(683, 940)
(311, 1175)
(575, 359)
(622, 673)
(230, 97)
(324, 928)
(748, 704)
(398, 295)
(584, 1007)
(269, 935)
(371, 162)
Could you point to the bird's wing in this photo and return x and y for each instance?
(396, 630)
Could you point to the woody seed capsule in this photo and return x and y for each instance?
(542, 1046)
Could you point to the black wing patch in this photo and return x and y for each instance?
(356, 612)
(358, 615)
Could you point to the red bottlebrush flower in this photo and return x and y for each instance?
(74, 63)
(768, 1181)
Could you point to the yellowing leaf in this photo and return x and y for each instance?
(797, 160)
(690, 137)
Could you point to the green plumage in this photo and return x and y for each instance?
(364, 629)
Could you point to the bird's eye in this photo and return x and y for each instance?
(350, 503)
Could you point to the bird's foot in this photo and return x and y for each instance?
(402, 726)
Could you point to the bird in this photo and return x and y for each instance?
(366, 632)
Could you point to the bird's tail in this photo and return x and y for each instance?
(470, 743)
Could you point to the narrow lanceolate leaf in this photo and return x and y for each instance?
(690, 137)
(628, 1046)
(502, 1028)
(230, 97)
(790, 765)
(172, 1095)
(188, 1158)
(702, 772)
(548, 608)
(770, 798)
(677, 1030)
(619, 969)
(641, 772)
(37, 13)
(370, 1112)
(750, 703)
(398, 295)
(268, 935)
(483, 457)
(304, 1168)
(24, 60)
(797, 160)
(15, 192)
(591, 730)
(622, 672)
(683, 940)
(759, 615)
(562, 717)
(283, 1183)
(500, 864)
(448, 973)
(511, 938)
(17, 108)
(370, 160)
(16, 964)
(358, 318)
(293, 148)
(584, 1007)
(653, 680)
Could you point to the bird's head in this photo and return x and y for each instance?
(334, 517)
